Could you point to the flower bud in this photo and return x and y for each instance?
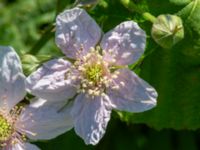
(167, 30)
(29, 63)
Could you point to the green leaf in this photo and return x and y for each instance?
(180, 2)
(191, 17)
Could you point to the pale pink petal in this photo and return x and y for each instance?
(23, 146)
(12, 80)
(50, 81)
(76, 29)
(91, 117)
(125, 43)
(133, 95)
(44, 120)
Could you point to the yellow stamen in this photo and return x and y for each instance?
(5, 129)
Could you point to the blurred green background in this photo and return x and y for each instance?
(174, 124)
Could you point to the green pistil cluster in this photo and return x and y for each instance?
(94, 73)
(5, 129)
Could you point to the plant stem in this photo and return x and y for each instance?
(149, 17)
(131, 6)
(48, 34)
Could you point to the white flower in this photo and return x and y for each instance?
(18, 123)
(98, 77)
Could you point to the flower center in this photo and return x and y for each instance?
(6, 129)
(94, 73)
(91, 73)
(11, 134)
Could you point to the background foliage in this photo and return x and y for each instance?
(28, 25)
